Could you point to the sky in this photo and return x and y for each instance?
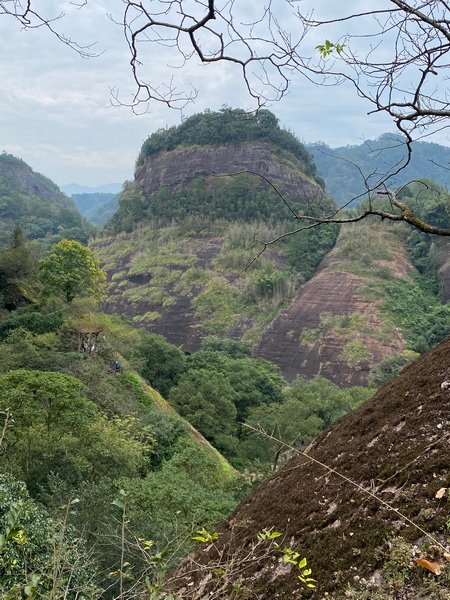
(56, 112)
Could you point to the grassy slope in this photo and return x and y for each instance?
(225, 470)
(151, 270)
(120, 334)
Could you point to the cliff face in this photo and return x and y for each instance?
(179, 166)
(333, 327)
(396, 447)
(156, 287)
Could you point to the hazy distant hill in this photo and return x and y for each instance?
(343, 180)
(97, 207)
(108, 188)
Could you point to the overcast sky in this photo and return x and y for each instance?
(55, 108)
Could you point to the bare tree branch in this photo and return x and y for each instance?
(24, 13)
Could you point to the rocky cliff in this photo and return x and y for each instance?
(182, 165)
(352, 314)
(196, 216)
(334, 327)
(366, 498)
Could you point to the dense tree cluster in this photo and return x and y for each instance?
(73, 430)
(243, 197)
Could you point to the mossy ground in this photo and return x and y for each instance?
(394, 446)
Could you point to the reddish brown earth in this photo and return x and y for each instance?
(336, 291)
(396, 446)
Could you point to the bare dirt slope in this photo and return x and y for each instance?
(333, 328)
(396, 445)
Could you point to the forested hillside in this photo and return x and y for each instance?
(86, 435)
(36, 204)
(89, 444)
(96, 207)
(344, 168)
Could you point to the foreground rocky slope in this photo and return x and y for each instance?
(395, 446)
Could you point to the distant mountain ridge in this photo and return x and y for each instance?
(97, 207)
(107, 188)
(340, 167)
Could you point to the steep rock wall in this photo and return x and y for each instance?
(179, 166)
(331, 328)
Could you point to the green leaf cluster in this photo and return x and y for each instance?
(40, 557)
(70, 270)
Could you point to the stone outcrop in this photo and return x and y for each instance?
(179, 166)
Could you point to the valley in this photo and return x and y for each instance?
(211, 395)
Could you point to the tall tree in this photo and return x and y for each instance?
(70, 270)
(16, 266)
